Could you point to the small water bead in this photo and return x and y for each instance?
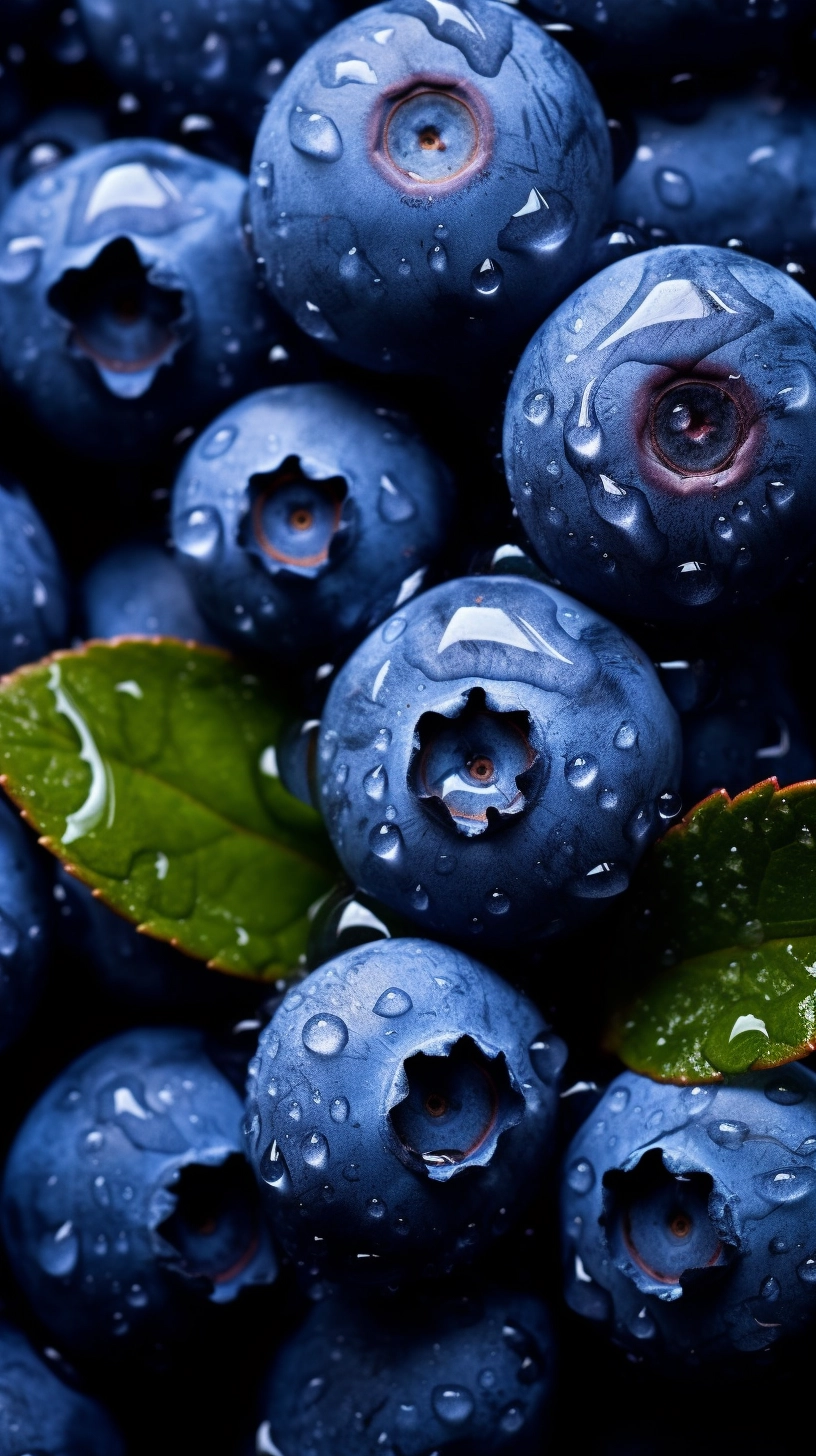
(581, 1176)
(339, 1109)
(315, 135)
(9, 936)
(351, 1172)
(198, 533)
(382, 740)
(487, 1379)
(643, 1326)
(58, 1251)
(538, 406)
(607, 799)
(548, 1055)
(315, 1150)
(438, 259)
(778, 1245)
(618, 1100)
(328, 746)
(386, 842)
(325, 1035)
(452, 1404)
(669, 806)
(511, 1420)
(218, 443)
(101, 1192)
(728, 1134)
(375, 1208)
(626, 736)
(673, 188)
(639, 824)
(789, 1185)
(807, 1270)
(784, 1093)
(394, 505)
(136, 1297)
(769, 1289)
(393, 629)
(295, 1111)
(696, 1100)
(419, 898)
(393, 1002)
(375, 783)
(497, 902)
(581, 771)
(486, 278)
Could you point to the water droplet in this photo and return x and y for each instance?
(382, 740)
(669, 806)
(20, 259)
(218, 443)
(607, 799)
(9, 936)
(769, 1288)
(325, 1035)
(785, 1093)
(497, 902)
(581, 772)
(198, 533)
(445, 862)
(511, 1420)
(486, 278)
(626, 736)
(375, 1208)
(778, 1245)
(807, 1270)
(438, 259)
(136, 1297)
(618, 1100)
(351, 1172)
(452, 1404)
(393, 504)
(310, 318)
(393, 629)
(673, 188)
(58, 1251)
(789, 1185)
(315, 1150)
(375, 783)
(639, 824)
(419, 899)
(642, 1326)
(696, 1100)
(541, 225)
(728, 1134)
(538, 406)
(315, 135)
(581, 1176)
(339, 1109)
(487, 1379)
(385, 841)
(273, 1169)
(393, 1002)
(548, 1055)
(101, 1192)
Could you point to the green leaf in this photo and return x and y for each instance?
(148, 767)
(722, 938)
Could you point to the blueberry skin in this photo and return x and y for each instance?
(204, 55)
(129, 307)
(127, 1205)
(25, 924)
(565, 710)
(139, 589)
(659, 434)
(716, 1266)
(39, 1413)
(423, 189)
(33, 593)
(744, 173)
(375, 1167)
(471, 1374)
(304, 515)
(639, 35)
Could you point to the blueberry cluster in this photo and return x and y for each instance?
(451, 366)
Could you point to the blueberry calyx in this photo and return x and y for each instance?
(212, 1234)
(295, 522)
(432, 133)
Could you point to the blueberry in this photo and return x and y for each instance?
(437, 1373)
(140, 589)
(49, 139)
(660, 430)
(25, 924)
(33, 595)
(129, 309)
(426, 182)
(687, 1215)
(494, 760)
(128, 1207)
(641, 36)
(743, 175)
(399, 1112)
(39, 1413)
(304, 515)
(200, 56)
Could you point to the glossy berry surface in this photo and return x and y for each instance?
(140, 589)
(493, 761)
(399, 1113)
(686, 1215)
(659, 433)
(129, 308)
(33, 592)
(127, 1204)
(25, 929)
(438, 1373)
(741, 174)
(426, 182)
(40, 1413)
(304, 515)
(204, 55)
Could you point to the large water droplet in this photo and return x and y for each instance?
(785, 1093)
(452, 1404)
(540, 226)
(310, 318)
(728, 1134)
(375, 783)
(581, 1176)
(386, 842)
(315, 135)
(393, 1002)
(394, 629)
(626, 736)
(538, 406)
(9, 936)
(136, 1297)
(58, 1251)
(789, 1185)
(486, 278)
(673, 188)
(669, 806)
(315, 1150)
(581, 772)
(392, 503)
(273, 1169)
(219, 441)
(548, 1055)
(198, 534)
(339, 1109)
(325, 1035)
